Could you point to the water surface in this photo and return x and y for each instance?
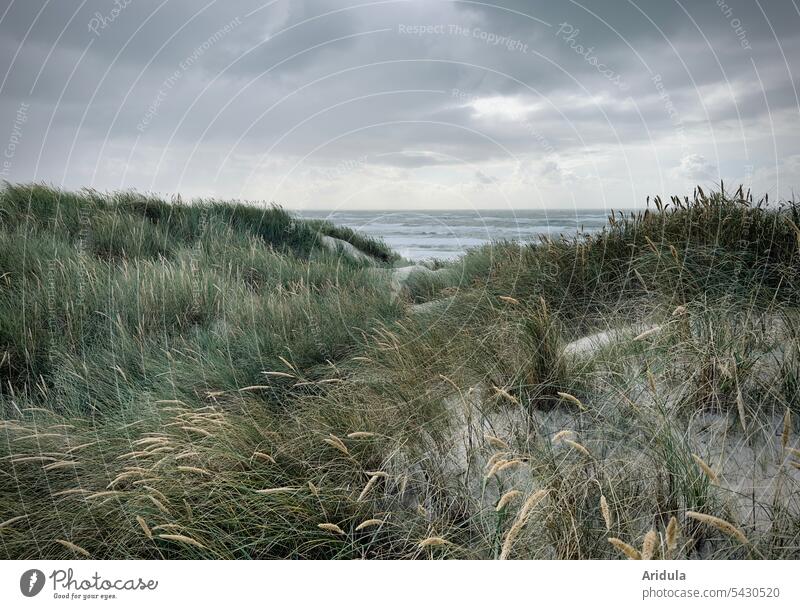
(446, 234)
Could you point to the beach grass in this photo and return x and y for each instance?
(210, 380)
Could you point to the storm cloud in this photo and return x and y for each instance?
(402, 104)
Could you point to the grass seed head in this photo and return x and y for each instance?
(721, 525)
(577, 446)
(331, 528)
(372, 522)
(710, 473)
(512, 464)
(649, 545)
(519, 523)
(430, 542)
(628, 550)
(561, 435)
(507, 498)
(673, 530)
(571, 398)
(182, 539)
(606, 512)
(144, 526)
(368, 487)
(495, 442)
(74, 547)
(337, 443)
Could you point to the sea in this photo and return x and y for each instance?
(447, 234)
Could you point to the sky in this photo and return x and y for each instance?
(420, 104)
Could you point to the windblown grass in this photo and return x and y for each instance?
(207, 381)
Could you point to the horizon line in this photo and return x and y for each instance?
(467, 209)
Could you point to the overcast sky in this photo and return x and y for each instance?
(396, 105)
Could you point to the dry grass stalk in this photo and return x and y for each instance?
(38, 436)
(606, 512)
(796, 231)
(152, 440)
(787, 428)
(520, 521)
(32, 459)
(368, 487)
(80, 447)
(649, 545)
(372, 522)
(160, 449)
(74, 547)
(280, 374)
(721, 525)
(159, 505)
(505, 394)
(648, 332)
(673, 531)
(124, 476)
(71, 491)
(144, 526)
(379, 473)
(194, 470)
(740, 408)
(264, 457)
(571, 398)
(710, 473)
(562, 434)
(11, 521)
(133, 455)
(337, 443)
(288, 364)
(512, 464)
(629, 551)
(432, 542)
(60, 465)
(508, 299)
(651, 382)
(199, 430)
(506, 499)
(577, 446)
(496, 467)
(103, 495)
(496, 457)
(331, 528)
(278, 490)
(496, 442)
(358, 435)
(161, 496)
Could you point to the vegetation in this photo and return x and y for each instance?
(208, 380)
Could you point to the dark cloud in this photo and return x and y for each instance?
(262, 99)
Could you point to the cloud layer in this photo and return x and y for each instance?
(396, 104)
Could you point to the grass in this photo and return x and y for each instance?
(207, 380)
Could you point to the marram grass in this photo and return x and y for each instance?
(207, 380)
